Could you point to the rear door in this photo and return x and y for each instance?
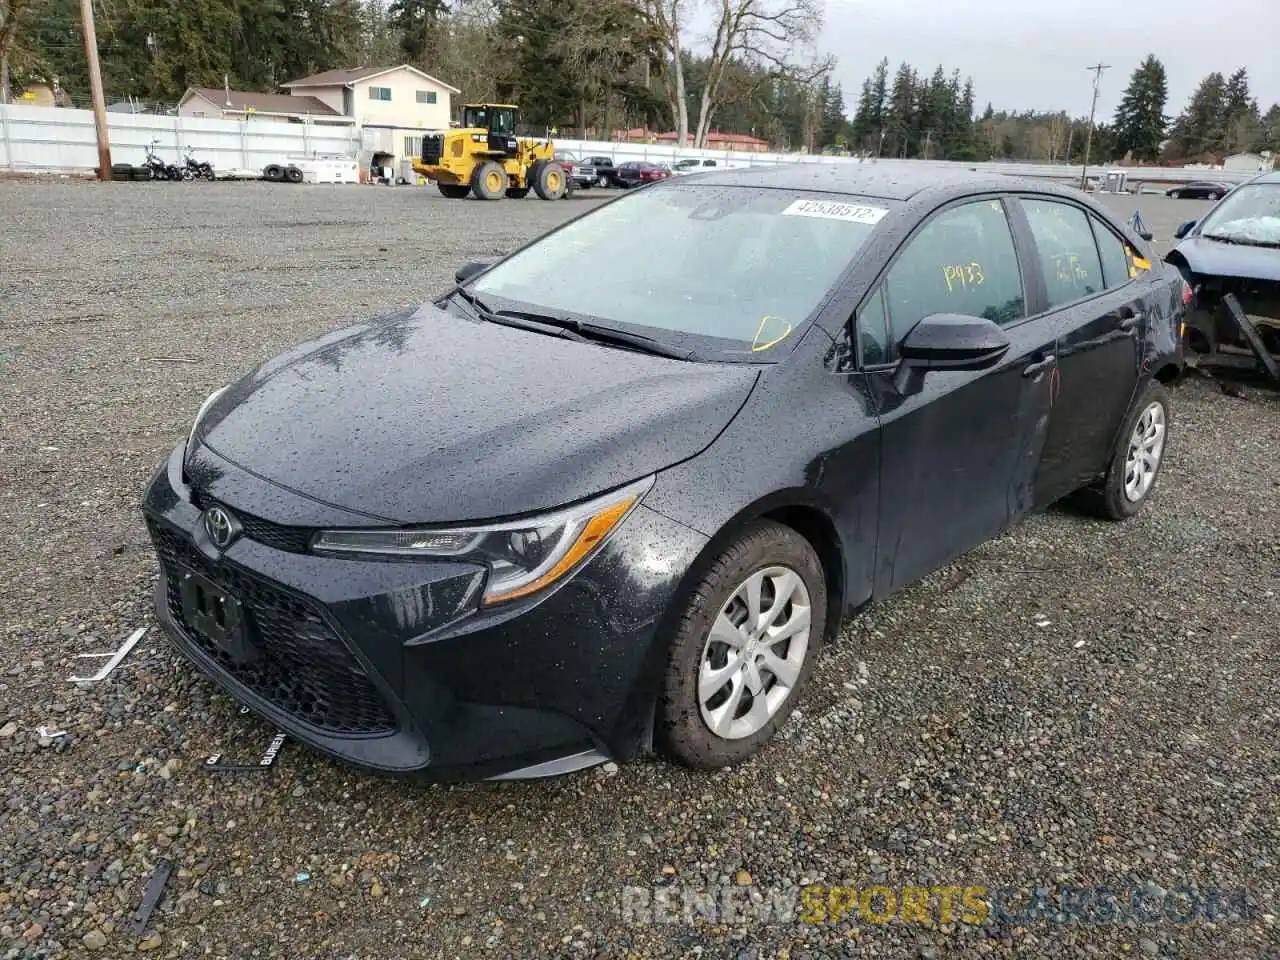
(1094, 300)
(959, 456)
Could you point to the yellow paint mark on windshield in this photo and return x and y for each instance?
(769, 327)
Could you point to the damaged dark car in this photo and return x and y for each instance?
(556, 518)
(1231, 260)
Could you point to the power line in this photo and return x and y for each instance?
(1097, 69)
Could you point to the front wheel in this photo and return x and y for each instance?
(743, 650)
(1177, 194)
(1135, 460)
(1214, 196)
(549, 180)
(602, 182)
(489, 182)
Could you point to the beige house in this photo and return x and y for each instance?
(225, 104)
(392, 106)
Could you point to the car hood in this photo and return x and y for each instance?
(427, 417)
(1216, 259)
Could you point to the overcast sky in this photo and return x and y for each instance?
(1028, 55)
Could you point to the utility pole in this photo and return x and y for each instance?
(95, 86)
(1097, 69)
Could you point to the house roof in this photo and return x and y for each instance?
(717, 137)
(262, 102)
(345, 78)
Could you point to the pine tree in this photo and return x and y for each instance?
(1202, 126)
(418, 23)
(1140, 121)
(901, 112)
(863, 122)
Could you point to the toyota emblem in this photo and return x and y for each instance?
(220, 526)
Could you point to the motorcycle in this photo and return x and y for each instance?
(196, 169)
(159, 169)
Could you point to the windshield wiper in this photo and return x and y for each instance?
(574, 328)
(591, 330)
(532, 322)
(1241, 241)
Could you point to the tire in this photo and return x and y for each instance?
(140, 174)
(1110, 499)
(517, 193)
(1177, 194)
(454, 191)
(550, 182)
(121, 171)
(273, 172)
(602, 182)
(293, 174)
(188, 174)
(682, 731)
(489, 182)
(1215, 196)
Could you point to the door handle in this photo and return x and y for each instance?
(1039, 366)
(1130, 318)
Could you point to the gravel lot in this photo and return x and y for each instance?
(1074, 704)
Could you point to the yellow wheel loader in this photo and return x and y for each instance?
(484, 157)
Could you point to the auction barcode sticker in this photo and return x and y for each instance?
(828, 210)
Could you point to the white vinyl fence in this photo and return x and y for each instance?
(48, 138)
(53, 138)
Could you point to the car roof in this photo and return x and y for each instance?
(889, 181)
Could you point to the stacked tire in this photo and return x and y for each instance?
(282, 173)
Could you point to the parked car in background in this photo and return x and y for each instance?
(634, 173)
(419, 546)
(693, 165)
(1199, 190)
(1231, 259)
(588, 171)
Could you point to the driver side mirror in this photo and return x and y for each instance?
(948, 341)
(469, 270)
(1183, 229)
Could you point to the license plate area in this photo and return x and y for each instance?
(216, 616)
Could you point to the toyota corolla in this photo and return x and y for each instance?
(558, 517)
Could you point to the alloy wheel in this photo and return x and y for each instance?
(1146, 446)
(754, 652)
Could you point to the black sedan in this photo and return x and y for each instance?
(556, 518)
(1199, 190)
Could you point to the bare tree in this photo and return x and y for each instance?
(667, 20)
(764, 33)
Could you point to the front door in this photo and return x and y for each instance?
(1099, 313)
(959, 457)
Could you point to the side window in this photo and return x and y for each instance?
(1068, 254)
(963, 261)
(1115, 258)
(873, 338)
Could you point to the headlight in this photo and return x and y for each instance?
(204, 408)
(523, 556)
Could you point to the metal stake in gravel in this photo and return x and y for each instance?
(151, 896)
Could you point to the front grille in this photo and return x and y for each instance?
(290, 539)
(303, 668)
(432, 148)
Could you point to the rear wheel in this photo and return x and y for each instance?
(489, 182)
(744, 648)
(1176, 194)
(1136, 459)
(602, 181)
(454, 191)
(1214, 196)
(549, 181)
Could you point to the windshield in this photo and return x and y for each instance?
(730, 270)
(1249, 214)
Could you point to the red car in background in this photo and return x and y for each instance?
(634, 173)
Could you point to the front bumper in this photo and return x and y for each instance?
(392, 666)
